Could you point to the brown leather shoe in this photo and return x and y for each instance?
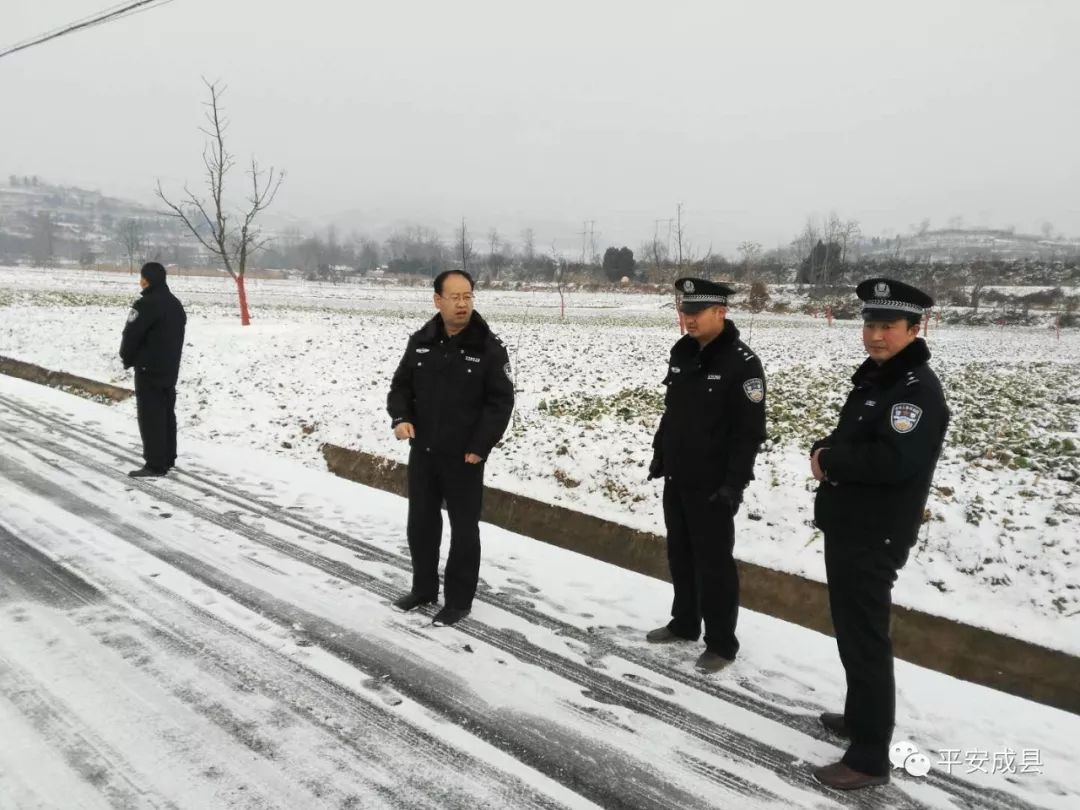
(841, 777)
(834, 722)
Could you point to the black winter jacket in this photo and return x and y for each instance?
(714, 414)
(153, 338)
(880, 459)
(456, 391)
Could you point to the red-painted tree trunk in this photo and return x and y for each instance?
(245, 318)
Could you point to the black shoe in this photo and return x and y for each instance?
(449, 616)
(710, 662)
(663, 635)
(834, 722)
(147, 472)
(411, 601)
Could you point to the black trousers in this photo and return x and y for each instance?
(860, 572)
(155, 400)
(433, 479)
(700, 546)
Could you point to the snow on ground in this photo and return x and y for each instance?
(999, 551)
(222, 638)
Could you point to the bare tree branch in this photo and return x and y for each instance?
(230, 237)
(231, 240)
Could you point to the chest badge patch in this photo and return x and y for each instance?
(755, 389)
(422, 350)
(905, 417)
(133, 314)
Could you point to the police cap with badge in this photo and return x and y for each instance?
(887, 300)
(699, 294)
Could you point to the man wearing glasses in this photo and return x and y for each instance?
(451, 397)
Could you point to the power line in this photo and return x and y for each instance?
(107, 15)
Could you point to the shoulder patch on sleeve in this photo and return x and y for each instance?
(905, 417)
(754, 388)
(509, 372)
(132, 315)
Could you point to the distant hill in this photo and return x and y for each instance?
(959, 244)
(45, 223)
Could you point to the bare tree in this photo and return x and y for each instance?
(231, 237)
(464, 249)
(528, 246)
(495, 256)
(976, 275)
(804, 244)
(657, 251)
(833, 235)
(679, 235)
(131, 239)
(560, 280)
(367, 252)
(751, 253)
(849, 236)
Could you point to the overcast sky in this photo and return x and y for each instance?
(754, 115)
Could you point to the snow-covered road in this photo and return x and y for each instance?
(222, 638)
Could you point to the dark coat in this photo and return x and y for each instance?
(880, 459)
(714, 414)
(455, 391)
(153, 338)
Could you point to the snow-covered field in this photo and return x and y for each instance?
(999, 551)
(222, 638)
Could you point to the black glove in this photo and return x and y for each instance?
(656, 467)
(726, 495)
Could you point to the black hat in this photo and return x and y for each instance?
(699, 294)
(154, 273)
(885, 299)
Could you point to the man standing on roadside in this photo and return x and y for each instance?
(875, 471)
(152, 343)
(451, 397)
(704, 449)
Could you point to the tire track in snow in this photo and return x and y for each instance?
(596, 771)
(87, 754)
(597, 686)
(27, 574)
(963, 793)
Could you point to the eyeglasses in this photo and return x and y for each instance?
(459, 298)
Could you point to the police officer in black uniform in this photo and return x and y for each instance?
(451, 397)
(704, 448)
(875, 470)
(152, 343)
